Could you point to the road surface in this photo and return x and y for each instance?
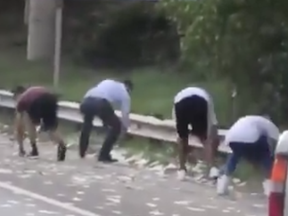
(88, 188)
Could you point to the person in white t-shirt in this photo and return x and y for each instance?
(252, 138)
(194, 107)
(101, 101)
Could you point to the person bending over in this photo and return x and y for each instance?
(194, 107)
(252, 138)
(100, 101)
(37, 106)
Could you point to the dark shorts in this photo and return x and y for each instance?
(192, 111)
(91, 107)
(43, 110)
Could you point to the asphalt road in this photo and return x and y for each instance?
(88, 188)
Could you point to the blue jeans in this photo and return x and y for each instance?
(256, 153)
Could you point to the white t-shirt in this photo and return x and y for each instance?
(190, 91)
(248, 129)
(116, 93)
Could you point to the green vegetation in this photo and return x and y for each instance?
(244, 41)
(154, 89)
(218, 44)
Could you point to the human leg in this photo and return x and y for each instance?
(264, 157)
(206, 134)
(230, 166)
(50, 123)
(113, 133)
(213, 143)
(109, 118)
(32, 118)
(88, 109)
(182, 117)
(265, 154)
(20, 132)
(232, 160)
(56, 137)
(30, 124)
(85, 134)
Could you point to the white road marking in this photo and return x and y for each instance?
(48, 200)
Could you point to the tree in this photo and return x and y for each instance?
(242, 40)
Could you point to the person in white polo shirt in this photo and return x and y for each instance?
(193, 106)
(100, 101)
(252, 138)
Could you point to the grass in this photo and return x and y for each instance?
(154, 88)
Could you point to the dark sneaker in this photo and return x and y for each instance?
(107, 160)
(82, 149)
(112, 159)
(61, 152)
(34, 153)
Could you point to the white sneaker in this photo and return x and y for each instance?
(181, 175)
(222, 185)
(266, 187)
(214, 173)
(38, 129)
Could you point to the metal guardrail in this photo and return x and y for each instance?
(141, 126)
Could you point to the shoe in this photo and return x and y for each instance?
(61, 152)
(108, 159)
(82, 150)
(266, 187)
(34, 153)
(214, 173)
(181, 175)
(82, 154)
(222, 185)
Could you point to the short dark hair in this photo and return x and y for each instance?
(18, 90)
(128, 83)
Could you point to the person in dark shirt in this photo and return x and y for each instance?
(37, 106)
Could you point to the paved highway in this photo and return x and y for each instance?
(88, 188)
